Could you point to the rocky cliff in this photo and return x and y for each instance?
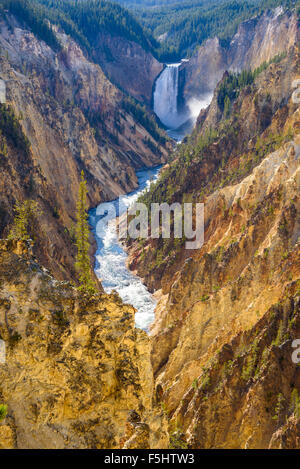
(74, 118)
(77, 373)
(128, 65)
(228, 313)
(247, 395)
(257, 40)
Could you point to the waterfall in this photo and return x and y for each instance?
(165, 104)
(166, 97)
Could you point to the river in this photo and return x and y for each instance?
(111, 258)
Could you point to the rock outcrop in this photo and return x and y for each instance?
(229, 312)
(240, 273)
(247, 395)
(128, 65)
(76, 368)
(257, 40)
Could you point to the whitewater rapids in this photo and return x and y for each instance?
(111, 258)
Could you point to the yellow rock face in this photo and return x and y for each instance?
(227, 290)
(6, 437)
(228, 314)
(75, 366)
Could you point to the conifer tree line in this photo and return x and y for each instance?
(83, 264)
(230, 87)
(185, 25)
(82, 20)
(25, 213)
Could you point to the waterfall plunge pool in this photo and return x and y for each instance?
(110, 266)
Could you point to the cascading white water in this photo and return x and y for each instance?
(111, 258)
(165, 104)
(165, 99)
(111, 267)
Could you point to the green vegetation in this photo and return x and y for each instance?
(204, 298)
(295, 403)
(172, 178)
(205, 383)
(143, 117)
(25, 212)
(34, 15)
(83, 267)
(182, 26)
(265, 357)
(279, 407)
(280, 335)
(177, 440)
(195, 384)
(93, 16)
(235, 82)
(11, 130)
(3, 411)
(228, 367)
(82, 20)
(250, 365)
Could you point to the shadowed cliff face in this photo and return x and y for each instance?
(74, 119)
(76, 368)
(128, 65)
(257, 40)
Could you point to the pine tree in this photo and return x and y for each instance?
(25, 212)
(82, 265)
(3, 411)
(295, 403)
(227, 106)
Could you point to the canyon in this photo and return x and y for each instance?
(182, 90)
(257, 40)
(73, 119)
(216, 368)
(225, 312)
(111, 257)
